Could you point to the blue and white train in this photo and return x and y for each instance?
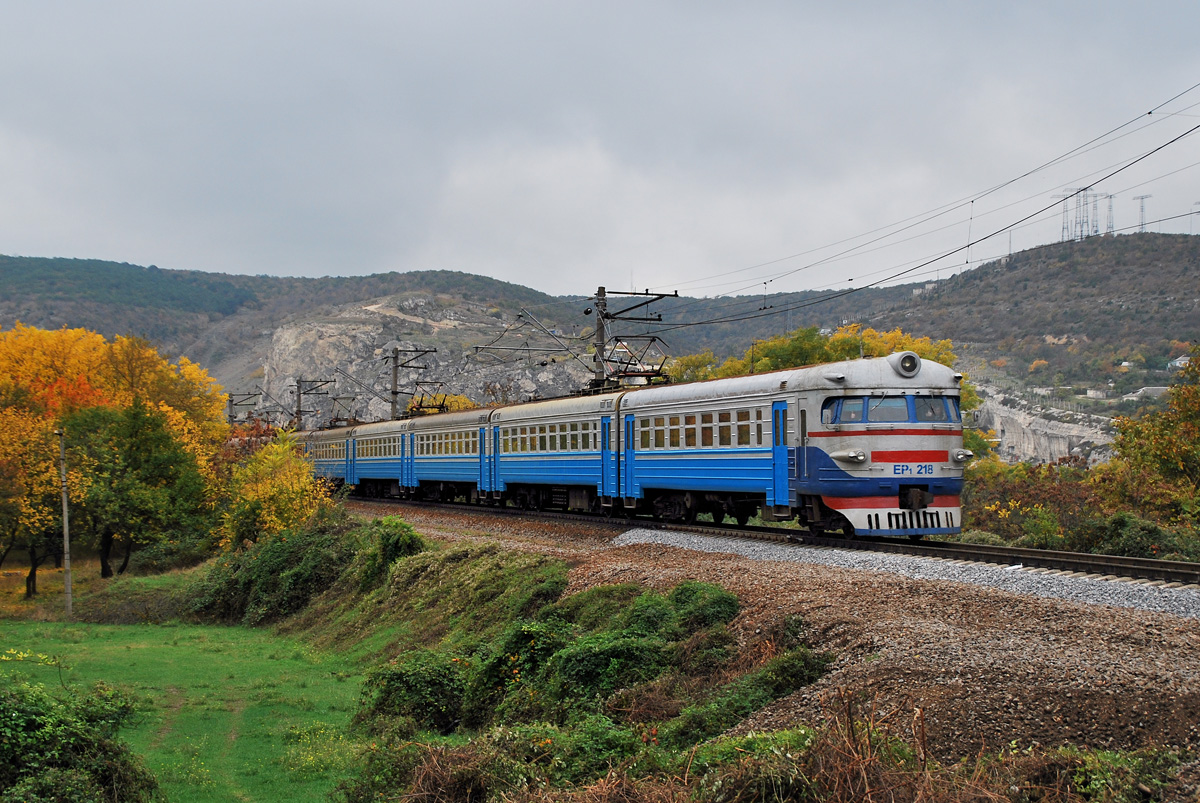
(867, 447)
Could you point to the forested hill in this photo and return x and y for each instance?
(174, 307)
(1133, 288)
(1079, 305)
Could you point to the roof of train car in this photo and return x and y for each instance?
(862, 374)
(551, 407)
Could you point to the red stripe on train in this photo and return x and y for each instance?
(912, 456)
(878, 502)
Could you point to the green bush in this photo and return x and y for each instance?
(274, 577)
(64, 746)
(426, 687)
(731, 704)
(596, 666)
(701, 605)
(516, 658)
(387, 540)
(1126, 534)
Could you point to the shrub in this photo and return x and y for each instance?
(777, 678)
(273, 577)
(596, 666)
(63, 746)
(426, 686)
(388, 539)
(516, 658)
(1126, 534)
(701, 605)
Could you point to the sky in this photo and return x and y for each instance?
(704, 147)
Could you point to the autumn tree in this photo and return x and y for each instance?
(168, 412)
(274, 491)
(142, 483)
(30, 490)
(1156, 466)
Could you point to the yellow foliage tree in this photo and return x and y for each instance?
(51, 373)
(881, 344)
(448, 403)
(274, 491)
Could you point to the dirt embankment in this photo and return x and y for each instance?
(984, 667)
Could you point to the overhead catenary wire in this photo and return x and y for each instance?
(925, 217)
(944, 255)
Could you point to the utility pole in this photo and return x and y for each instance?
(1142, 200)
(601, 335)
(395, 382)
(66, 519)
(236, 400)
(313, 390)
(603, 316)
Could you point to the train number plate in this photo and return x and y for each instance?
(913, 469)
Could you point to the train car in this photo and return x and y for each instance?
(705, 447)
(330, 452)
(556, 453)
(868, 447)
(448, 456)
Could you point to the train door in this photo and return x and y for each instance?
(495, 485)
(630, 490)
(412, 460)
(608, 466)
(779, 454)
(351, 462)
(483, 484)
(403, 453)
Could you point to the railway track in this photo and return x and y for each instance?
(1076, 564)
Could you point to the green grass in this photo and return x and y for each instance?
(226, 713)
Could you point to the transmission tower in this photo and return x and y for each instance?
(1142, 200)
(1109, 228)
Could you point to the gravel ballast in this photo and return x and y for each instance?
(1178, 601)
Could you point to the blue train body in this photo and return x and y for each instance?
(870, 446)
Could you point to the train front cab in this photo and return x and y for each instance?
(884, 460)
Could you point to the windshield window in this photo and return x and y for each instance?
(852, 411)
(930, 408)
(887, 409)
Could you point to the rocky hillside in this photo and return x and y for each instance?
(1104, 310)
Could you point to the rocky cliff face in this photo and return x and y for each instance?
(358, 339)
(1036, 434)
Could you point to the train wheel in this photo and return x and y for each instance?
(742, 517)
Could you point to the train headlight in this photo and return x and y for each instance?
(849, 456)
(905, 363)
(963, 455)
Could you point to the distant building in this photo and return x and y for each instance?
(1179, 363)
(1145, 393)
(1094, 393)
